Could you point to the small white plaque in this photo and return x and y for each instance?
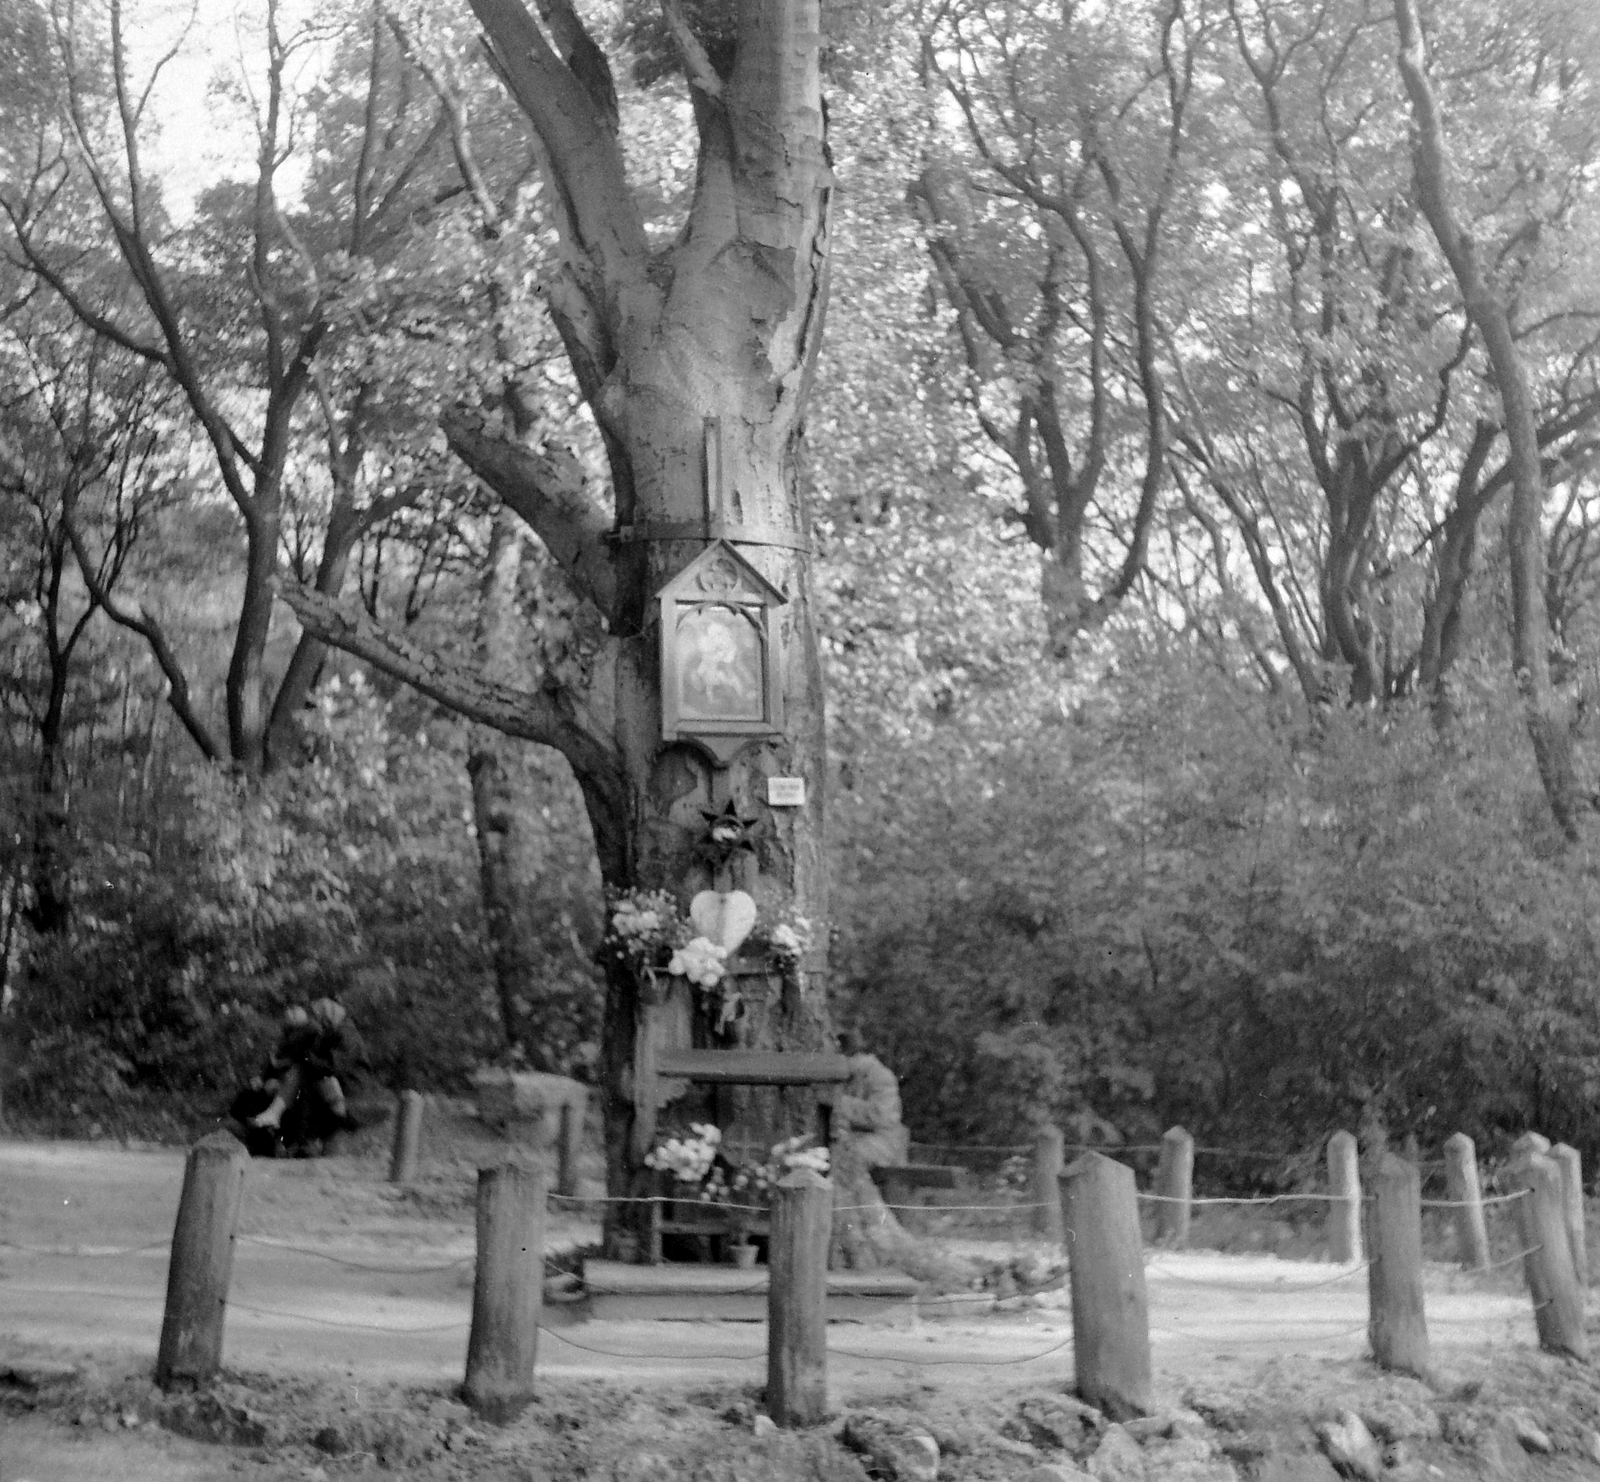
(786, 792)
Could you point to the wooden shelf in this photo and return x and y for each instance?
(753, 1067)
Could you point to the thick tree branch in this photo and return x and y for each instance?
(532, 717)
(584, 59)
(1485, 305)
(547, 489)
(585, 160)
(138, 620)
(696, 63)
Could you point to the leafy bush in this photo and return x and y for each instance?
(1175, 905)
(352, 875)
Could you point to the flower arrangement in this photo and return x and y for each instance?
(789, 941)
(701, 961)
(697, 1159)
(645, 925)
(649, 932)
(688, 1159)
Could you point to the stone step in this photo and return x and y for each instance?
(683, 1292)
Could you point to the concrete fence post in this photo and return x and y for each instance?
(797, 1300)
(1570, 1161)
(1464, 1191)
(507, 1292)
(1396, 1324)
(1344, 1208)
(1547, 1264)
(1110, 1308)
(1048, 1160)
(201, 1265)
(1175, 1185)
(570, 1145)
(407, 1138)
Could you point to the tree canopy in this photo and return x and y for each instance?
(1173, 428)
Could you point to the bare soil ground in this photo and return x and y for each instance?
(347, 1327)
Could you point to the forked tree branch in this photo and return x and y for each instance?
(539, 717)
(547, 489)
(585, 159)
(139, 621)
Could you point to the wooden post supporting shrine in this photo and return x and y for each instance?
(1570, 1162)
(201, 1264)
(1344, 1208)
(1048, 1161)
(407, 1138)
(1396, 1325)
(1175, 1186)
(507, 1293)
(1463, 1190)
(1110, 1308)
(1547, 1264)
(797, 1300)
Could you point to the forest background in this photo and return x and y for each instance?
(1210, 725)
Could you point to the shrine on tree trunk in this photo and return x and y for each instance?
(721, 693)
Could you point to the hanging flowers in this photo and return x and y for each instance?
(789, 941)
(645, 927)
(701, 961)
(698, 1159)
(649, 932)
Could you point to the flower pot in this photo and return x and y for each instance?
(743, 1256)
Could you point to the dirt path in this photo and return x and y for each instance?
(341, 1277)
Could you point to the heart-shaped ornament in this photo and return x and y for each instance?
(724, 917)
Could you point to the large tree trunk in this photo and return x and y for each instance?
(721, 326)
(690, 376)
(1485, 305)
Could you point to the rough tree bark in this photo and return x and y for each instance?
(722, 323)
(510, 847)
(1486, 308)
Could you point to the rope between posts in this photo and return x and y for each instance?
(871, 1358)
(1225, 1343)
(658, 1199)
(1511, 1260)
(322, 1255)
(1278, 1289)
(354, 1327)
(85, 1255)
(922, 1363)
(561, 1337)
(935, 1208)
(1469, 1203)
(1257, 1199)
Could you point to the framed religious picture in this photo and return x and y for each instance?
(720, 684)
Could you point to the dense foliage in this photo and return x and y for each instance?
(1172, 904)
(1239, 828)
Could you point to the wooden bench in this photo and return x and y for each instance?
(821, 1071)
(895, 1181)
